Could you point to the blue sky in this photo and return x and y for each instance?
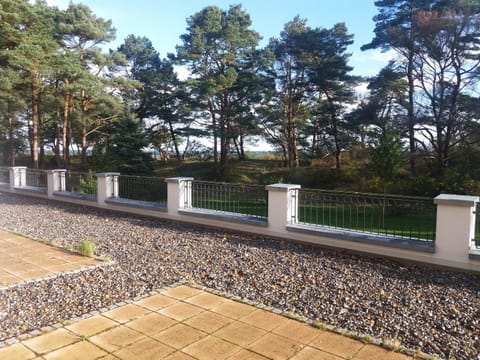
(163, 21)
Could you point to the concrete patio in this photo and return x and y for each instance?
(24, 259)
(180, 322)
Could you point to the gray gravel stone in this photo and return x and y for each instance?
(432, 310)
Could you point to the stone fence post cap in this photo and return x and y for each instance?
(456, 200)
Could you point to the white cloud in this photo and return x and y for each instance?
(379, 56)
(370, 62)
(361, 91)
(182, 72)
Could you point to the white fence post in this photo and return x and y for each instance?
(179, 194)
(18, 176)
(107, 186)
(11, 175)
(282, 205)
(55, 181)
(455, 230)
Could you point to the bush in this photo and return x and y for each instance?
(86, 248)
(88, 185)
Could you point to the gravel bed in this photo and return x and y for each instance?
(431, 310)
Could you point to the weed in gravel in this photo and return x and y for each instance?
(86, 247)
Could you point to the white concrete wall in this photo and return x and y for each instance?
(453, 244)
(18, 176)
(179, 194)
(107, 187)
(282, 206)
(55, 181)
(455, 229)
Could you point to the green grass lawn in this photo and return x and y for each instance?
(372, 219)
(241, 199)
(263, 171)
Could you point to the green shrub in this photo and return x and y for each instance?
(86, 248)
(274, 179)
(88, 185)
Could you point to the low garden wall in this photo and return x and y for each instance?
(274, 210)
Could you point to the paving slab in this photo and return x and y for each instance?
(183, 323)
(25, 259)
(175, 323)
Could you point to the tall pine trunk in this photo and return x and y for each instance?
(58, 138)
(41, 140)
(35, 114)
(211, 109)
(225, 135)
(58, 131)
(66, 130)
(10, 156)
(84, 128)
(411, 115)
(239, 146)
(292, 145)
(224, 147)
(174, 140)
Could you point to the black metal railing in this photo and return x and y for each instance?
(396, 216)
(4, 175)
(36, 178)
(81, 183)
(247, 200)
(142, 188)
